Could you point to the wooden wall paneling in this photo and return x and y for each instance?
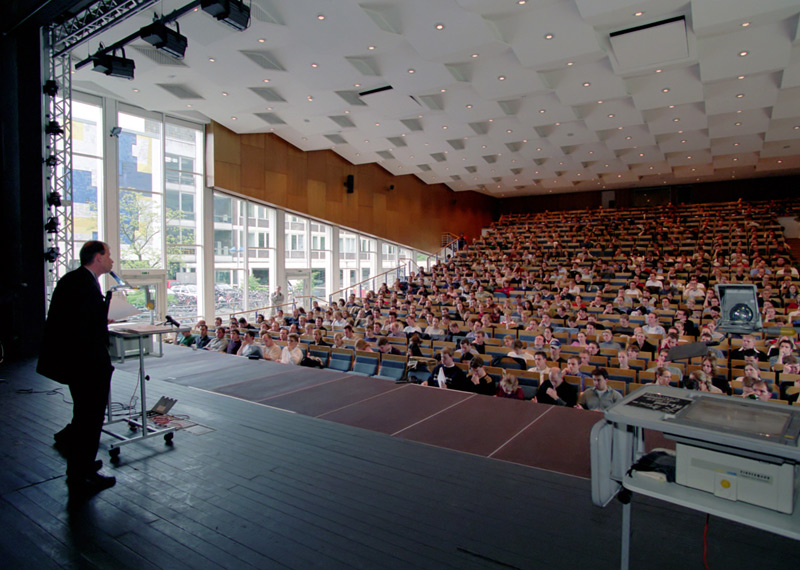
(317, 205)
(253, 175)
(276, 187)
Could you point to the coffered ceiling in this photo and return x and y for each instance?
(506, 97)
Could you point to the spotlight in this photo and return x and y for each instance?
(51, 161)
(51, 254)
(54, 200)
(53, 128)
(51, 226)
(50, 87)
(231, 12)
(115, 131)
(165, 39)
(114, 65)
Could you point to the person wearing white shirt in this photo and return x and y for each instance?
(291, 353)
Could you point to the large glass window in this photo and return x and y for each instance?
(87, 172)
(261, 254)
(231, 280)
(140, 192)
(321, 260)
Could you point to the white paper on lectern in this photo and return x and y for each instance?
(120, 308)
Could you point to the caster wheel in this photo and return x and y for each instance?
(132, 426)
(114, 453)
(168, 438)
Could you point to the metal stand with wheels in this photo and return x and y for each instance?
(138, 425)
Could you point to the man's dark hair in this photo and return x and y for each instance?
(90, 249)
(599, 371)
(383, 340)
(476, 362)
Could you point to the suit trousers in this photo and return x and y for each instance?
(90, 398)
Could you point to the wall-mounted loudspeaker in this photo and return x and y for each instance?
(349, 183)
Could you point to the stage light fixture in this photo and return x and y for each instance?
(51, 226)
(51, 254)
(50, 87)
(54, 199)
(54, 128)
(51, 161)
(165, 39)
(114, 65)
(232, 12)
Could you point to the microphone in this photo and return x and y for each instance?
(116, 278)
(172, 321)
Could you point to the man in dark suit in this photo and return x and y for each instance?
(79, 306)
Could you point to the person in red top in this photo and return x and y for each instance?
(509, 388)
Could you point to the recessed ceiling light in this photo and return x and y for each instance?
(558, 124)
(739, 111)
(680, 132)
(611, 115)
(683, 141)
(266, 81)
(591, 152)
(444, 127)
(659, 70)
(501, 78)
(469, 106)
(737, 124)
(310, 97)
(509, 131)
(224, 94)
(735, 159)
(570, 63)
(796, 127)
(745, 24)
(304, 139)
(586, 84)
(549, 36)
(739, 95)
(371, 47)
(676, 120)
(315, 65)
(136, 90)
(443, 90)
(735, 144)
(261, 40)
(189, 105)
(740, 77)
(539, 149)
(671, 107)
(780, 162)
(522, 2)
(637, 14)
(641, 154)
(356, 85)
(439, 26)
(665, 90)
(377, 124)
(411, 71)
(474, 55)
(600, 102)
(628, 138)
(743, 53)
(689, 157)
(320, 16)
(545, 110)
(211, 59)
(233, 118)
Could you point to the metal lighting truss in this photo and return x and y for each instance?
(58, 166)
(92, 20)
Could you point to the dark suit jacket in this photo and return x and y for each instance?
(76, 332)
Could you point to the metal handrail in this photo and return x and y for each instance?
(360, 283)
(273, 307)
(447, 249)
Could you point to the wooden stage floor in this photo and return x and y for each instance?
(314, 469)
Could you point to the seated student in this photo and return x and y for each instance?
(509, 387)
(662, 362)
(291, 353)
(446, 374)
(518, 351)
(468, 352)
(414, 346)
(218, 343)
(699, 380)
(203, 340)
(234, 343)
(249, 348)
(607, 341)
(385, 347)
(778, 354)
(338, 340)
(790, 366)
(756, 389)
(186, 339)
(599, 397)
(709, 367)
(481, 381)
(557, 392)
(319, 338)
(363, 345)
(271, 350)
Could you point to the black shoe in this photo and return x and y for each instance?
(97, 465)
(90, 485)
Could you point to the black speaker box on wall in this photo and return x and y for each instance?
(349, 183)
